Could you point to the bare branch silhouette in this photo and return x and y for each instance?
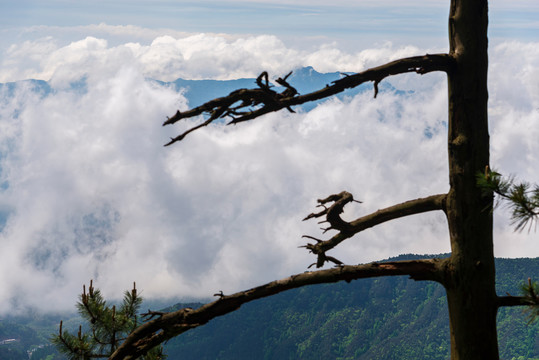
(247, 104)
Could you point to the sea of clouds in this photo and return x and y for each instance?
(89, 192)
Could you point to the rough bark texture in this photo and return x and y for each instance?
(470, 285)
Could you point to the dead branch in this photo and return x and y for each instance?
(349, 229)
(514, 301)
(169, 325)
(333, 212)
(253, 103)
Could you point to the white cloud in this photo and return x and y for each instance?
(93, 194)
(514, 124)
(76, 172)
(201, 56)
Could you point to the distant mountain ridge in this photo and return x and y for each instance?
(304, 80)
(197, 92)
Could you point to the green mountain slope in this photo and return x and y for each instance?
(387, 318)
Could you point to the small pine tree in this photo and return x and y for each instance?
(108, 326)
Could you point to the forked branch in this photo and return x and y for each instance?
(348, 229)
(169, 325)
(332, 213)
(247, 104)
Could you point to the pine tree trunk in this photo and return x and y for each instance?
(470, 281)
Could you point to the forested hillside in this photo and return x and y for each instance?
(387, 318)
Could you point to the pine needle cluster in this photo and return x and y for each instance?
(530, 293)
(522, 198)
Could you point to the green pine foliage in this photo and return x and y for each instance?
(108, 326)
(530, 292)
(521, 197)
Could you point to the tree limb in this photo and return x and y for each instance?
(169, 325)
(349, 229)
(513, 301)
(254, 103)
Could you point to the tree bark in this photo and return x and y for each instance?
(470, 282)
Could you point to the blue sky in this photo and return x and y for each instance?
(92, 194)
(350, 23)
